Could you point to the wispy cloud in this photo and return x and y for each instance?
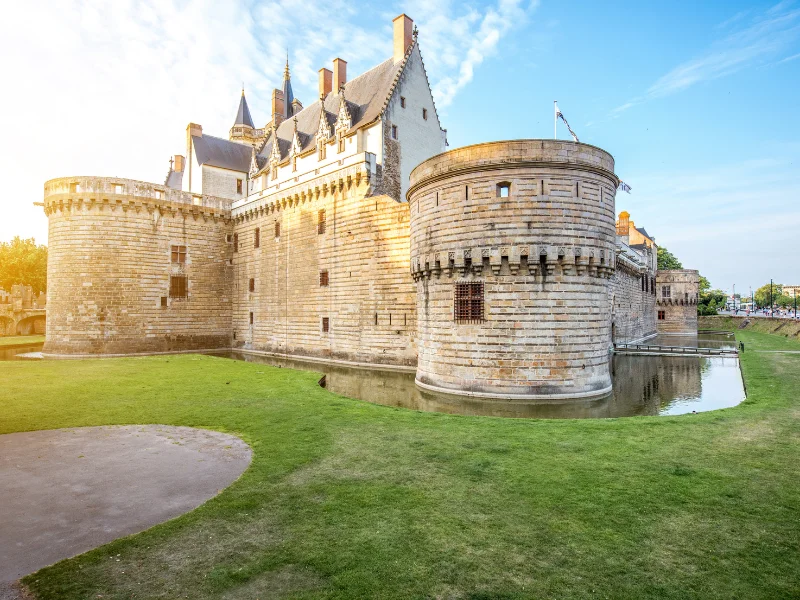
(765, 36)
(456, 43)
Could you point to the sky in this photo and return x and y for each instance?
(699, 102)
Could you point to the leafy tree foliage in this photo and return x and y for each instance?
(23, 262)
(705, 284)
(762, 294)
(710, 301)
(667, 260)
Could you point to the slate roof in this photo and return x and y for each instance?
(366, 97)
(218, 152)
(643, 231)
(174, 180)
(243, 115)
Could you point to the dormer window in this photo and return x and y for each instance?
(322, 151)
(274, 172)
(341, 141)
(294, 163)
(239, 186)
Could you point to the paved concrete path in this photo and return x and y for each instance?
(66, 491)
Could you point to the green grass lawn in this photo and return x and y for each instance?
(14, 340)
(350, 500)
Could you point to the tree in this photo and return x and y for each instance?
(762, 294)
(705, 285)
(667, 260)
(23, 262)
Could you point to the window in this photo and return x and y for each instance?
(178, 255)
(665, 291)
(323, 279)
(251, 318)
(294, 163)
(277, 229)
(257, 238)
(321, 222)
(178, 286)
(75, 188)
(340, 138)
(322, 151)
(118, 188)
(159, 195)
(425, 113)
(274, 173)
(252, 285)
(466, 192)
(402, 102)
(326, 325)
(235, 242)
(686, 296)
(468, 302)
(228, 238)
(503, 190)
(238, 186)
(394, 132)
(661, 315)
(163, 301)
(642, 279)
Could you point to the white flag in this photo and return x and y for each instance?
(560, 115)
(624, 186)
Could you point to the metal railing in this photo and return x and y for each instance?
(680, 350)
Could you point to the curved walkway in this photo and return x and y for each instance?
(66, 491)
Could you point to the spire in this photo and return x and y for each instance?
(288, 96)
(243, 115)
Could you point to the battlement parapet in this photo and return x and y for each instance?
(67, 192)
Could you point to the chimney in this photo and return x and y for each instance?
(178, 165)
(403, 36)
(277, 107)
(297, 106)
(339, 73)
(325, 82)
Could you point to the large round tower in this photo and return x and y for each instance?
(512, 250)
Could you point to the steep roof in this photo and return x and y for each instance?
(217, 152)
(366, 97)
(243, 115)
(643, 231)
(174, 180)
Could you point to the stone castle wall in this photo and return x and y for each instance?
(369, 299)
(634, 304)
(545, 254)
(109, 268)
(677, 306)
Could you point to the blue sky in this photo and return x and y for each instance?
(698, 102)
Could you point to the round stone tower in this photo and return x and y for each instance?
(513, 250)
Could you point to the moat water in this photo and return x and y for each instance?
(642, 385)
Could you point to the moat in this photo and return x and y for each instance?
(643, 385)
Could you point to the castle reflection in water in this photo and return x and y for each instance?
(643, 385)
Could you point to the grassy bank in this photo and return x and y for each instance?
(19, 340)
(781, 327)
(349, 500)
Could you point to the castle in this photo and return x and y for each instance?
(342, 231)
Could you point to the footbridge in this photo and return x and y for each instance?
(659, 350)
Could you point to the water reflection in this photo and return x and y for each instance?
(643, 385)
(720, 341)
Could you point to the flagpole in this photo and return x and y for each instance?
(555, 119)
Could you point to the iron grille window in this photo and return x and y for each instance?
(326, 324)
(178, 255)
(178, 286)
(257, 238)
(323, 278)
(321, 222)
(468, 302)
